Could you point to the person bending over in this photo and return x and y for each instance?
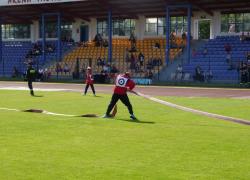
(123, 84)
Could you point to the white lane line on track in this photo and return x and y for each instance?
(195, 111)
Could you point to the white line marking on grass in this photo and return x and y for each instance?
(8, 109)
(195, 111)
(43, 112)
(21, 88)
(57, 114)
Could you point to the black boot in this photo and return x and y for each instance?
(31, 92)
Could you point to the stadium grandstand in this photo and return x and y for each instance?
(160, 40)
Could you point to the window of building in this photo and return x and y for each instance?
(51, 30)
(235, 22)
(121, 27)
(16, 31)
(151, 26)
(157, 26)
(247, 22)
(102, 27)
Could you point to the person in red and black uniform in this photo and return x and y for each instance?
(123, 84)
(89, 81)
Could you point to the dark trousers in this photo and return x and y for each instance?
(87, 87)
(124, 99)
(30, 85)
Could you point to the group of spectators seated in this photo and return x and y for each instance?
(37, 50)
(43, 74)
(173, 43)
(99, 41)
(201, 75)
(244, 69)
(100, 61)
(244, 37)
(65, 69)
(154, 62)
(15, 72)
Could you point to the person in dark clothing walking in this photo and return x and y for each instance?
(30, 75)
(122, 85)
(89, 81)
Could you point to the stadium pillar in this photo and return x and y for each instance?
(167, 35)
(43, 40)
(110, 36)
(189, 34)
(59, 52)
(1, 46)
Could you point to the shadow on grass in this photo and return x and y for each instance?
(135, 121)
(38, 96)
(96, 96)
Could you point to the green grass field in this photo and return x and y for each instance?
(166, 144)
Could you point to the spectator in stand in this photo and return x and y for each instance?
(150, 64)
(209, 75)
(98, 40)
(248, 66)
(114, 69)
(229, 61)
(36, 51)
(40, 74)
(106, 68)
(132, 61)
(137, 67)
(194, 52)
(248, 57)
(172, 36)
(243, 72)
(157, 45)
(247, 38)
(199, 76)
(66, 68)
(150, 74)
(141, 58)
(58, 68)
(179, 70)
(242, 37)
(127, 59)
(132, 40)
(205, 51)
(29, 61)
(228, 48)
(105, 43)
(184, 36)
(99, 61)
(15, 72)
(50, 48)
(159, 61)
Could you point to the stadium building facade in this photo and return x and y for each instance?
(35, 20)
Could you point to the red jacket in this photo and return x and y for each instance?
(122, 84)
(89, 78)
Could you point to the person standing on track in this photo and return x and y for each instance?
(89, 81)
(123, 84)
(31, 76)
